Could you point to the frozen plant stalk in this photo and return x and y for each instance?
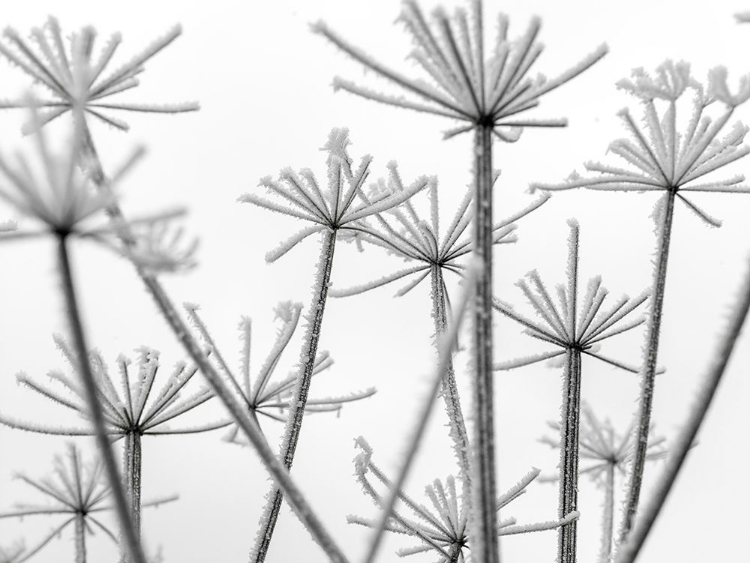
(576, 333)
(329, 212)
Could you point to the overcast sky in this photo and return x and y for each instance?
(263, 82)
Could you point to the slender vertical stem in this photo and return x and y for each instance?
(678, 453)
(237, 410)
(485, 546)
(132, 546)
(132, 466)
(80, 538)
(299, 399)
(648, 369)
(608, 517)
(569, 438)
(458, 431)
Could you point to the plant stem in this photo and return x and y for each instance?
(648, 369)
(301, 389)
(608, 519)
(485, 545)
(569, 438)
(132, 466)
(237, 410)
(80, 538)
(449, 387)
(132, 549)
(685, 440)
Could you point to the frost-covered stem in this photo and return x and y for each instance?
(301, 389)
(678, 452)
(132, 472)
(569, 431)
(450, 394)
(80, 538)
(132, 547)
(608, 518)
(485, 545)
(227, 396)
(648, 369)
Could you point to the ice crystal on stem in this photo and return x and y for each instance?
(264, 397)
(443, 528)
(663, 157)
(76, 78)
(77, 492)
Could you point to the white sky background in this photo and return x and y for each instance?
(263, 81)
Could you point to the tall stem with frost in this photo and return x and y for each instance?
(132, 549)
(301, 389)
(648, 369)
(80, 539)
(608, 518)
(132, 473)
(485, 543)
(569, 440)
(450, 393)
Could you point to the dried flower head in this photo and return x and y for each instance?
(75, 491)
(602, 447)
(403, 232)
(76, 78)
(334, 207)
(564, 325)
(443, 528)
(663, 157)
(462, 84)
(129, 402)
(264, 397)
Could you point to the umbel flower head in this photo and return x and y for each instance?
(443, 528)
(76, 77)
(602, 447)
(462, 82)
(661, 155)
(333, 207)
(403, 232)
(264, 397)
(61, 195)
(129, 401)
(75, 491)
(566, 326)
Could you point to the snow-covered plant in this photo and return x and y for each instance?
(77, 492)
(576, 328)
(265, 398)
(331, 209)
(666, 158)
(443, 527)
(130, 406)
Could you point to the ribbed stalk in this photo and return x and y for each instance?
(569, 439)
(299, 399)
(133, 550)
(132, 472)
(80, 538)
(648, 369)
(608, 518)
(485, 546)
(458, 432)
